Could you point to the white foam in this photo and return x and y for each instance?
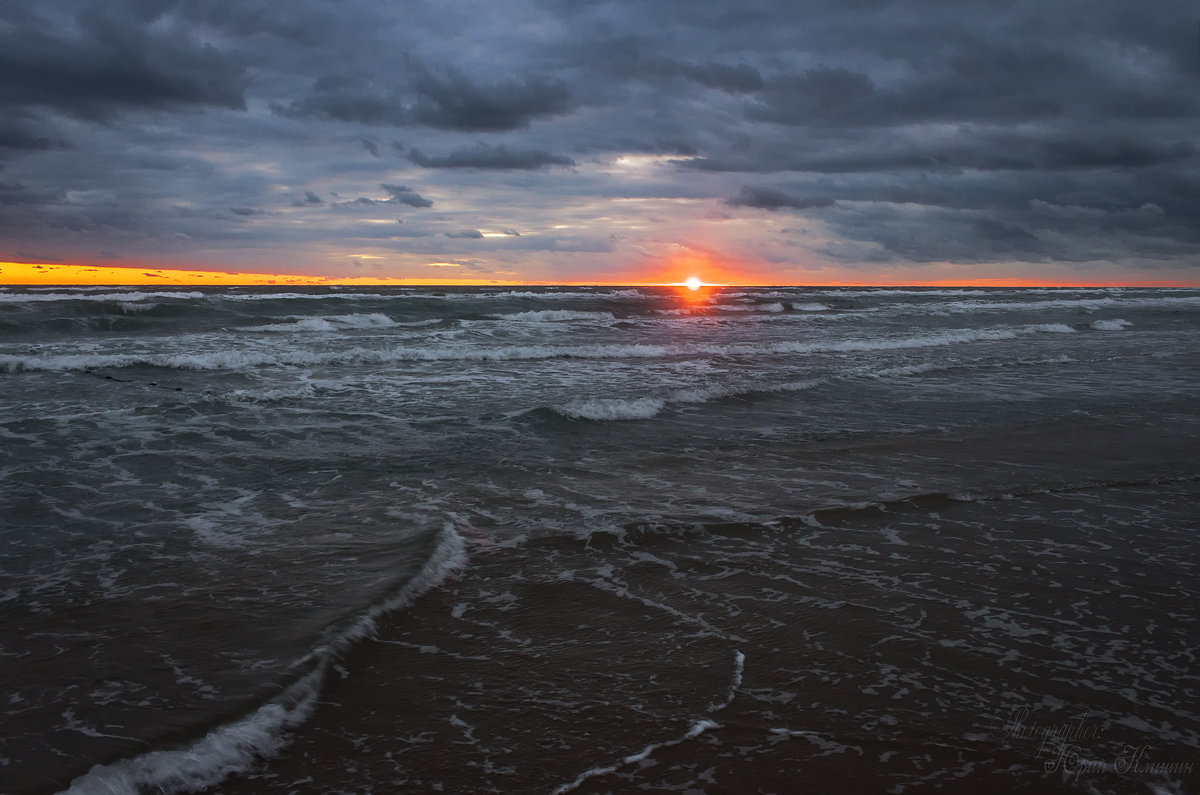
(311, 296)
(237, 360)
(551, 294)
(829, 747)
(231, 748)
(1088, 303)
(331, 323)
(612, 409)
(133, 307)
(695, 730)
(130, 297)
(1110, 325)
(550, 315)
(643, 408)
(735, 682)
(234, 747)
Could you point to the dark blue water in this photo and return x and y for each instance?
(210, 497)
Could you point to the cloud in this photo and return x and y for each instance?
(399, 194)
(310, 198)
(452, 101)
(16, 137)
(102, 66)
(466, 234)
(402, 195)
(499, 158)
(445, 100)
(734, 78)
(821, 95)
(771, 199)
(971, 132)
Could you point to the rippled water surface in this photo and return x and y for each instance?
(598, 539)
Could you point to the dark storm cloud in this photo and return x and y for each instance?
(402, 195)
(770, 199)
(970, 147)
(822, 95)
(310, 198)
(17, 193)
(734, 78)
(445, 100)
(912, 132)
(17, 137)
(451, 101)
(499, 158)
(100, 66)
(1002, 236)
(399, 194)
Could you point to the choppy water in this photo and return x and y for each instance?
(653, 508)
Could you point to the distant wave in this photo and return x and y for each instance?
(1110, 325)
(122, 297)
(549, 315)
(603, 409)
(1090, 304)
(330, 323)
(609, 409)
(772, 308)
(243, 359)
(308, 296)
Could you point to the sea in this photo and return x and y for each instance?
(599, 539)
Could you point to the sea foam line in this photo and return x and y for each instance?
(232, 360)
(236, 747)
(604, 409)
(694, 731)
(126, 297)
(550, 315)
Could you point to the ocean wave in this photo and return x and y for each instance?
(644, 408)
(1086, 303)
(552, 294)
(549, 315)
(772, 308)
(235, 359)
(235, 747)
(934, 367)
(330, 323)
(121, 297)
(611, 409)
(1110, 325)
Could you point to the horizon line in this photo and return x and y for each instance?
(18, 274)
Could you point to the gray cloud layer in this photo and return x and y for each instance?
(911, 132)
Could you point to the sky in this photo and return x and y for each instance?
(757, 141)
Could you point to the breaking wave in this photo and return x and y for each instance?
(235, 747)
(244, 359)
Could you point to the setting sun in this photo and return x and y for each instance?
(692, 283)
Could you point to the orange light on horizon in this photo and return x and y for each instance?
(25, 273)
(706, 272)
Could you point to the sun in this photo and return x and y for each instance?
(692, 283)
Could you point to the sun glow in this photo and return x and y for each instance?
(693, 283)
(32, 273)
